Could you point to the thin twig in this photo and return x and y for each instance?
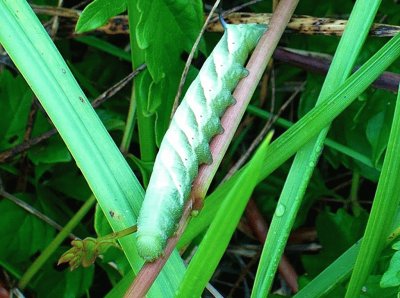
(5, 155)
(55, 22)
(190, 58)
(24, 166)
(234, 9)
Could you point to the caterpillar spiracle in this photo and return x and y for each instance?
(185, 145)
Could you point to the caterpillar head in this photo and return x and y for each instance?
(150, 247)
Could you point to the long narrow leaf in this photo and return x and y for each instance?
(306, 159)
(221, 230)
(383, 210)
(116, 188)
(341, 268)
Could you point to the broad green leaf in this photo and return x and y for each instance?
(22, 234)
(97, 14)
(391, 278)
(68, 180)
(396, 245)
(61, 282)
(372, 289)
(15, 102)
(111, 120)
(121, 287)
(145, 167)
(336, 233)
(160, 23)
(52, 150)
(378, 126)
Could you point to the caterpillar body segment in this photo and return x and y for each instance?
(186, 143)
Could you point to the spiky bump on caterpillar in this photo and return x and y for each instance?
(186, 143)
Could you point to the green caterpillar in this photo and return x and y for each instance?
(186, 143)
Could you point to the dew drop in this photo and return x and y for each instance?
(311, 164)
(280, 210)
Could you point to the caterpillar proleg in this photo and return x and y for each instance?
(186, 143)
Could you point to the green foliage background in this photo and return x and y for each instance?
(47, 178)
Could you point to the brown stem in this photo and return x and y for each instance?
(387, 80)
(24, 165)
(309, 25)
(260, 229)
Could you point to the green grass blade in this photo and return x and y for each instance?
(332, 276)
(121, 287)
(328, 142)
(357, 29)
(340, 269)
(56, 242)
(112, 181)
(222, 228)
(383, 210)
(104, 46)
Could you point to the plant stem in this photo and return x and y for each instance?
(355, 185)
(130, 124)
(51, 248)
(120, 234)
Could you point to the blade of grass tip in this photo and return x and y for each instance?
(320, 116)
(383, 210)
(112, 181)
(361, 18)
(222, 228)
